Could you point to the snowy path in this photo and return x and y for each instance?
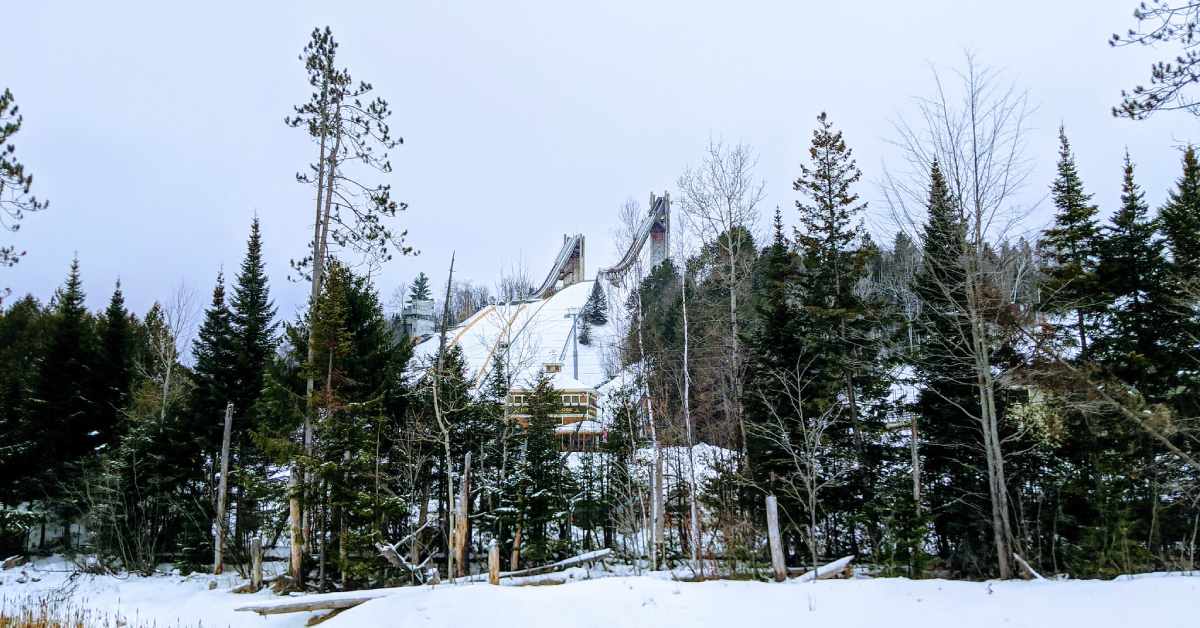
(1162, 602)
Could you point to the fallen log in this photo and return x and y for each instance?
(350, 599)
(1033, 574)
(552, 567)
(829, 570)
(319, 601)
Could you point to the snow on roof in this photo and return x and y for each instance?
(537, 333)
(580, 427)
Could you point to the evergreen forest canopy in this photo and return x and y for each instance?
(937, 404)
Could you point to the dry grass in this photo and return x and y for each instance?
(51, 612)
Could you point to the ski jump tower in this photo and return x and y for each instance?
(569, 269)
(655, 228)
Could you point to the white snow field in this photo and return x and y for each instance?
(1161, 601)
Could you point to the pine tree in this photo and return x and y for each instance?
(419, 291)
(1180, 219)
(1070, 250)
(15, 182)
(115, 375)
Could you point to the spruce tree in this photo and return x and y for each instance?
(1070, 251)
(544, 479)
(842, 323)
(419, 291)
(1132, 274)
(214, 372)
(63, 413)
(252, 319)
(22, 328)
(595, 311)
(955, 491)
(115, 375)
(1180, 220)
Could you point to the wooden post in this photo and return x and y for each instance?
(219, 540)
(460, 527)
(516, 553)
(776, 543)
(494, 562)
(256, 556)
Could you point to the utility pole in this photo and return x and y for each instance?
(574, 314)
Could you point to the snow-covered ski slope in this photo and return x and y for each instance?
(538, 332)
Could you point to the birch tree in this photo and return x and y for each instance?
(719, 199)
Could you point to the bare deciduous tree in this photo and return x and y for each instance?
(976, 131)
(802, 436)
(719, 198)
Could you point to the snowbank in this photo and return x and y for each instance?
(650, 600)
(645, 601)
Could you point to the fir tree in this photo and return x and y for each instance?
(1070, 250)
(419, 291)
(1180, 220)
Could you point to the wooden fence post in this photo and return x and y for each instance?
(256, 558)
(461, 521)
(219, 540)
(777, 564)
(494, 562)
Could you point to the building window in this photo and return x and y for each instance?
(554, 368)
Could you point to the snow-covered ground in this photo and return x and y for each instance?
(1159, 600)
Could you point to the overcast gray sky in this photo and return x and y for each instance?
(156, 128)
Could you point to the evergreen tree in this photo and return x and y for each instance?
(62, 411)
(419, 291)
(22, 328)
(253, 325)
(1180, 219)
(842, 324)
(595, 311)
(15, 182)
(545, 482)
(115, 375)
(1132, 274)
(956, 489)
(585, 330)
(1070, 251)
(214, 371)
